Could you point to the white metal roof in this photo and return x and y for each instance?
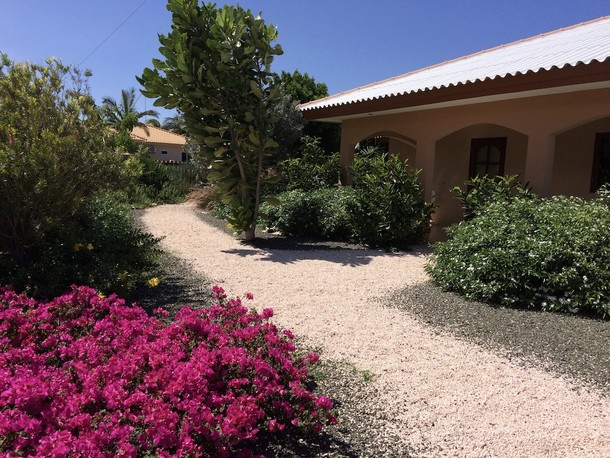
(579, 44)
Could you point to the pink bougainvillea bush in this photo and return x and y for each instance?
(85, 375)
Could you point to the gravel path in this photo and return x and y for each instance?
(439, 395)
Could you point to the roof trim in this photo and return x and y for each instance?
(465, 94)
(568, 48)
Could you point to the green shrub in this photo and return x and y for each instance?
(100, 246)
(149, 181)
(482, 191)
(320, 214)
(221, 210)
(314, 169)
(54, 156)
(551, 254)
(387, 208)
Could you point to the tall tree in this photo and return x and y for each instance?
(216, 69)
(123, 114)
(175, 124)
(303, 88)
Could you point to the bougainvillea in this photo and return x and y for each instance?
(86, 375)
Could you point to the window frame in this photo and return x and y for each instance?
(477, 143)
(597, 159)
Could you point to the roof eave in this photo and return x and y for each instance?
(464, 94)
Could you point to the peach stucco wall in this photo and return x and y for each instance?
(174, 152)
(574, 158)
(547, 136)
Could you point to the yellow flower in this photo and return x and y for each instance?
(78, 246)
(89, 246)
(100, 295)
(154, 282)
(123, 276)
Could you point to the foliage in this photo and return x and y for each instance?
(175, 124)
(288, 128)
(99, 246)
(311, 171)
(88, 374)
(551, 254)
(148, 181)
(388, 207)
(54, 155)
(216, 71)
(482, 191)
(321, 213)
(123, 115)
(303, 88)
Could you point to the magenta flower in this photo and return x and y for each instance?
(88, 373)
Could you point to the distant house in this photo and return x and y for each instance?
(538, 108)
(162, 144)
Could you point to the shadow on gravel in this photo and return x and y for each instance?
(303, 445)
(575, 346)
(179, 286)
(287, 250)
(340, 256)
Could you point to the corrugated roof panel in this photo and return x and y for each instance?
(582, 43)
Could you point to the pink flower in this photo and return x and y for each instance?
(324, 403)
(313, 358)
(89, 373)
(249, 296)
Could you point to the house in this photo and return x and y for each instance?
(162, 144)
(538, 108)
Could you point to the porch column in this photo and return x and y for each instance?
(424, 160)
(539, 163)
(346, 159)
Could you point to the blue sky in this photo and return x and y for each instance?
(343, 43)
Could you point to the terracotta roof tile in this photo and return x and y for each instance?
(157, 135)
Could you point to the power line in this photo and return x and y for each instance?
(112, 33)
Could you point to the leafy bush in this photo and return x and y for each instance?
(387, 208)
(314, 169)
(54, 156)
(321, 213)
(154, 182)
(551, 254)
(482, 191)
(99, 246)
(88, 374)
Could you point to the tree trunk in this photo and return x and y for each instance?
(249, 234)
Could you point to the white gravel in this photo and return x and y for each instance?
(446, 397)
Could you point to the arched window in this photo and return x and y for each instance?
(487, 156)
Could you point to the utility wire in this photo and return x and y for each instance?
(112, 33)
